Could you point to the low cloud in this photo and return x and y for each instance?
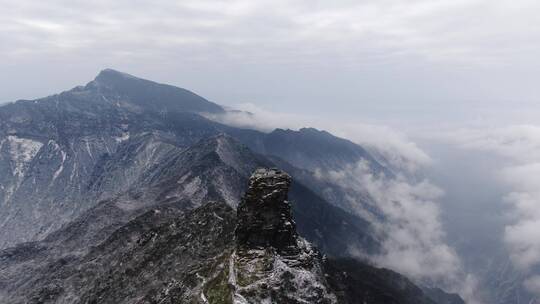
(523, 236)
(520, 146)
(409, 227)
(411, 231)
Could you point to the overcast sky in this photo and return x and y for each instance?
(423, 61)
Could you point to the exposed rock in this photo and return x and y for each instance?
(264, 214)
(170, 255)
(271, 262)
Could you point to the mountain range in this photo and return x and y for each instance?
(122, 191)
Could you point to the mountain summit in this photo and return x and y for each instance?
(150, 95)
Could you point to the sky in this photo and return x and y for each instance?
(443, 89)
(396, 61)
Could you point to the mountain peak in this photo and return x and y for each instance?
(111, 73)
(150, 95)
(264, 214)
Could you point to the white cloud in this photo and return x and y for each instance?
(412, 233)
(523, 236)
(517, 142)
(410, 229)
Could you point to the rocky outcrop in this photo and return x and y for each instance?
(271, 262)
(264, 214)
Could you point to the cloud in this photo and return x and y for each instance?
(520, 145)
(407, 221)
(388, 145)
(533, 284)
(516, 142)
(523, 236)
(378, 30)
(411, 230)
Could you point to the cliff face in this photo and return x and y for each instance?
(271, 262)
(264, 214)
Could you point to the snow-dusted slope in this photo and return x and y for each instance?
(172, 255)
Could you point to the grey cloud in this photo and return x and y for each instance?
(396, 27)
(520, 145)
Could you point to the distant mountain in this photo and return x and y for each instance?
(311, 149)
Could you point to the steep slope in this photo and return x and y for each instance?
(149, 95)
(207, 255)
(51, 149)
(52, 178)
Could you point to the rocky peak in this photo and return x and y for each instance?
(150, 95)
(264, 214)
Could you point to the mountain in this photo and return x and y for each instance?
(100, 165)
(210, 254)
(311, 149)
(148, 95)
(65, 153)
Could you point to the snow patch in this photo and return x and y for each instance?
(61, 168)
(122, 138)
(22, 151)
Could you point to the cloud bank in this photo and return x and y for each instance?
(380, 30)
(413, 236)
(520, 145)
(408, 222)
